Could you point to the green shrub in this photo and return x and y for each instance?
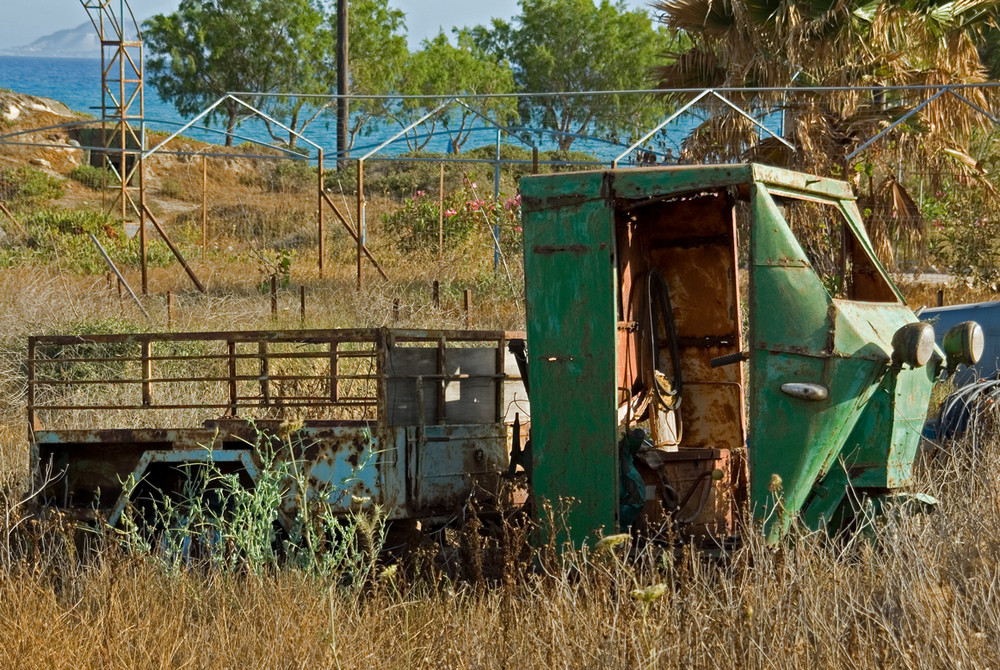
(285, 176)
(94, 177)
(62, 236)
(215, 517)
(27, 186)
(415, 225)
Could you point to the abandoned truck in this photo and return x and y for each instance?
(684, 361)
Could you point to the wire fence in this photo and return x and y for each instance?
(438, 175)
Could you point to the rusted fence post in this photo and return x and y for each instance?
(334, 372)
(170, 310)
(361, 219)
(319, 220)
(265, 372)
(147, 373)
(940, 297)
(441, 214)
(204, 206)
(468, 305)
(395, 309)
(436, 294)
(233, 391)
(32, 421)
(302, 304)
(274, 296)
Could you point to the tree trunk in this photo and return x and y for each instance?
(292, 138)
(230, 126)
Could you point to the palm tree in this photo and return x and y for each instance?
(783, 45)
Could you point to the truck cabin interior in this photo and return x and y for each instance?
(682, 333)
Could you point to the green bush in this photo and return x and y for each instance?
(94, 177)
(415, 224)
(285, 176)
(214, 517)
(27, 186)
(62, 237)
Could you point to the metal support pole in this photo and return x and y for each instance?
(147, 373)
(204, 206)
(361, 219)
(173, 248)
(319, 220)
(496, 201)
(121, 279)
(142, 218)
(441, 213)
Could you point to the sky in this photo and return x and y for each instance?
(24, 21)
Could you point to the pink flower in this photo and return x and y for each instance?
(420, 192)
(473, 184)
(450, 213)
(517, 229)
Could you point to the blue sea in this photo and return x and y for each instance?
(77, 83)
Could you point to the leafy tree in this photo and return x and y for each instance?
(441, 68)
(378, 48)
(210, 47)
(568, 46)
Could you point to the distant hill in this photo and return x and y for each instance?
(79, 42)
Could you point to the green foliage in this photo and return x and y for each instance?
(441, 68)
(275, 263)
(964, 233)
(216, 518)
(62, 237)
(291, 177)
(415, 225)
(94, 177)
(210, 47)
(377, 39)
(27, 186)
(577, 45)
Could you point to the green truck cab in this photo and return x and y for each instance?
(679, 301)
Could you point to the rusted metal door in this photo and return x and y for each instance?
(569, 250)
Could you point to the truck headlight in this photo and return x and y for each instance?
(913, 344)
(963, 344)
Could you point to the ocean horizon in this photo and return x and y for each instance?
(76, 82)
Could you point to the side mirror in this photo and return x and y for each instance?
(913, 344)
(963, 344)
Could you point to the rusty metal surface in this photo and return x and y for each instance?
(327, 374)
(692, 243)
(347, 450)
(678, 223)
(451, 465)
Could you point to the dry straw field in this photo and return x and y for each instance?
(913, 590)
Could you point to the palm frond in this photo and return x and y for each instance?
(708, 17)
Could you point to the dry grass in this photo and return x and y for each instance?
(917, 590)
